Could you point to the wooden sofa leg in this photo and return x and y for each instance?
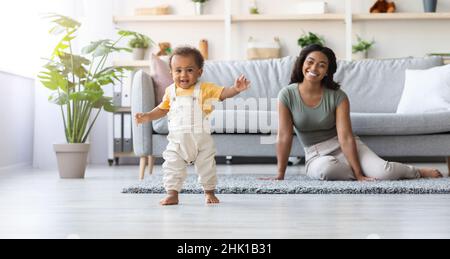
(151, 164)
(142, 165)
(448, 165)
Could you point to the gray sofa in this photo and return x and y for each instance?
(242, 129)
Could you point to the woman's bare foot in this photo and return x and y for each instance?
(171, 199)
(430, 173)
(211, 197)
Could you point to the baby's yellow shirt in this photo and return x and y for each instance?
(209, 93)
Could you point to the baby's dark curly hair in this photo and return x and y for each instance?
(187, 51)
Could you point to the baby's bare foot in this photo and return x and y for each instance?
(430, 173)
(171, 199)
(211, 197)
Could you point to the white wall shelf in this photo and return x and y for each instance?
(347, 18)
(401, 16)
(222, 18)
(272, 18)
(293, 18)
(169, 18)
(132, 63)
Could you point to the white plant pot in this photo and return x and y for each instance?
(139, 54)
(361, 55)
(72, 160)
(199, 8)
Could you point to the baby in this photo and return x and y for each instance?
(188, 104)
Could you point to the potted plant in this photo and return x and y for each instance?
(253, 7)
(77, 83)
(139, 43)
(363, 47)
(199, 6)
(310, 38)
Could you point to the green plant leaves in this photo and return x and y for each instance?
(59, 98)
(74, 64)
(93, 46)
(76, 82)
(53, 79)
(62, 24)
(362, 45)
(106, 103)
(310, 38)
(137, 40)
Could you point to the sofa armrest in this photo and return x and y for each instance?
(142, 100)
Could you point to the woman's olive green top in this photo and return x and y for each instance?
(313, 124)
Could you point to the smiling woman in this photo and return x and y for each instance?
(319, 112)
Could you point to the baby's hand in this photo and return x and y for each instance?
(241, 84)
(140, 118)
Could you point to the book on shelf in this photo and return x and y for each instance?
(122, 131)
(127, 83)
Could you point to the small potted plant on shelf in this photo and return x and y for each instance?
(310, 38)
(253, 7)
(77, 82)
(139, 43)
(362, 47)
(199, 6)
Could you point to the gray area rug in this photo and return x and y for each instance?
(297, 184)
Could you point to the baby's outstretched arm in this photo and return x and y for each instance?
(241, 84)
(157, 113)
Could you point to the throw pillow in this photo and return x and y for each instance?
(160, 73)
(426, 91)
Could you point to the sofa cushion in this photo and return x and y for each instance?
(391, 124)
(372, 85)
(160, 72)
(267, 77)
(364, 124)
(376, 86)
(433, 83)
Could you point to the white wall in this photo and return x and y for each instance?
(393, 38)
(98, 25)
(16, 120)
(49, 127)
(405, 38)
(17, 49)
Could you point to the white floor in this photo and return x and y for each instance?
(36, 204)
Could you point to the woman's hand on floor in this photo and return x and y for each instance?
(278, 178)
(363, 178)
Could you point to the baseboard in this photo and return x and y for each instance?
(15, 167)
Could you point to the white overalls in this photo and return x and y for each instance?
(190, 142)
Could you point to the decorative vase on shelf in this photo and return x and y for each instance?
(361, 55)
(199, 8)
(139, 53)
(429, 6)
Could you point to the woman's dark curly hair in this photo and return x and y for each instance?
(328, 81)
